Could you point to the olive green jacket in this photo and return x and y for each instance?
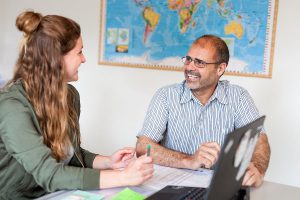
(27, 169)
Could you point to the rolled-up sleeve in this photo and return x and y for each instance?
(156, 119)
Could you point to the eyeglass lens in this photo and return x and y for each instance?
(199, 63)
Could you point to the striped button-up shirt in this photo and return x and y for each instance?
(177, 119)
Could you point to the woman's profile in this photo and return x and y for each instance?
(40, 148)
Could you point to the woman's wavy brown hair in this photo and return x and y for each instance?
(40, 67)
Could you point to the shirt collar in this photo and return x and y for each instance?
(186, 93)
(219, 93)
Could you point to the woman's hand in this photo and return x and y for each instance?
(121, 158)
(139, 170)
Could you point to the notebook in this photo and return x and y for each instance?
(226, 182)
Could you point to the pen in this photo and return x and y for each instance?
(148, 150)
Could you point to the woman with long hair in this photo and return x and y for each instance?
(39, 119)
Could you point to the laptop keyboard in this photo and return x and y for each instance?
(194, 194)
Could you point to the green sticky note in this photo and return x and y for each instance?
(82, 195)
(128, 194)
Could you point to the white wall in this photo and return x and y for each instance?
(114, 99)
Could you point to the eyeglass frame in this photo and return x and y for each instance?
(198, 62)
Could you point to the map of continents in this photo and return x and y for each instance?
(160, 32)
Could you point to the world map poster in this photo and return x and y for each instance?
(157, 34)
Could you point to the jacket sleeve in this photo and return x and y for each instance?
(24, 143)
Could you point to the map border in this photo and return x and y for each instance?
(273, 13)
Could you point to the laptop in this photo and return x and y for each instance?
(230, 169)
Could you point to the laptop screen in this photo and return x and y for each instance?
(234, 159)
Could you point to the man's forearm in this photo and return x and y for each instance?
(161, 155)
(261, 155)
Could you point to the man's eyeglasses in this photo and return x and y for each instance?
(197, 62)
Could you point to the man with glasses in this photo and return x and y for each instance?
(187, 123)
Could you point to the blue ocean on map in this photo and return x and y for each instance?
(160, 32)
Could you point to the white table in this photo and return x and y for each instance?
(268, 191)
(275, 191)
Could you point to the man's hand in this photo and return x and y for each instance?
(206, 156)
(252, 177)
(259, 162)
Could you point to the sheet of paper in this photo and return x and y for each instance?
(164, 176)
(83, 195)
(128, 194)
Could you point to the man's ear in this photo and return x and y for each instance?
(221, 69)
